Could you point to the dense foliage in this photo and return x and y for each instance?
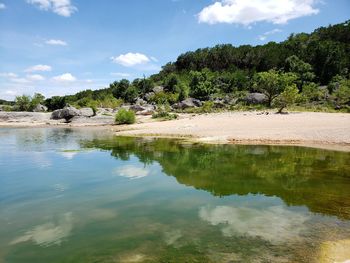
(314, 68)
(125, 117)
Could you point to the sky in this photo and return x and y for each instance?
(59, 47)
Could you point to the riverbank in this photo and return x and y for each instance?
(321, 130)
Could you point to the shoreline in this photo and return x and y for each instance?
(329, 131)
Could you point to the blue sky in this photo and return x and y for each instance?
(59, 47)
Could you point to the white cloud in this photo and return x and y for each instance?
(39, 68)
(8, 75)
(154, 59)
(248, 12)
(131, 59)
(60, 7)
(20, 80)
(2, 6)
(268, 33)
(56, 42)
(131, 172)
(275, 223)
(66, 77)
(35, 77)
(121, 74)
(49, 233)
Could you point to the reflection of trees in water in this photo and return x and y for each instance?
(38, 139)
(316, 178)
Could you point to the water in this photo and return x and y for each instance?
(70, 195)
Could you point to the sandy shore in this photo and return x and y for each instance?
(324, 130)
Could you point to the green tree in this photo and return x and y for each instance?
(23, 103)
(201, 84)
(288, 97)
(272, 83)
(303, 70)
(171, 82)
(131, 94)
(36, 100)
(119, 88)
(341, 94)
(183, 91)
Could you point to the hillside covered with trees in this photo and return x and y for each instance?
(311, 70)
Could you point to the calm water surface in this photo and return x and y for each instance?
(70, 195)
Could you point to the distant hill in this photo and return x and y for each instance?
(317, 59)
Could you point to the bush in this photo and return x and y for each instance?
(164, 98)
(125, 117)
(164, 115)
(288, 97)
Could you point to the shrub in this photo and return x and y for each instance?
(288, 97)
(164, 115)
(125, 117)
(164, 98)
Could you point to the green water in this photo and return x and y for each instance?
(70, 195)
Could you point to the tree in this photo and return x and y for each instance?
(273, 83)
(183, 91)
(119, 88)
(341, 94)
(22, 103)
(303, 70)
(36, 100)
(171, 82)
(131, 94)
(288, 97)
(201, 84)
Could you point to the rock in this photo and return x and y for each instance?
(66, 113)
(86, 112)
(158, 89)
(219, 103)
(101, 111)
(187, 103)
(255, 98)
(140, 101)
(149, 95)
(146, 109)
(40, 108)
(137, 108)
(25, 117)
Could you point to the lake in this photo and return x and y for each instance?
(84, 195)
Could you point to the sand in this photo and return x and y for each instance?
(324, 130)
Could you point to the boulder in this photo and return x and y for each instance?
(86, 112)
(140, 101)
(219, 103)
(66, 113)
(255, 98)
(149, 95)
(158, 89)
(187, 103)
(137, 108)
(40, 108)
(101, 111)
